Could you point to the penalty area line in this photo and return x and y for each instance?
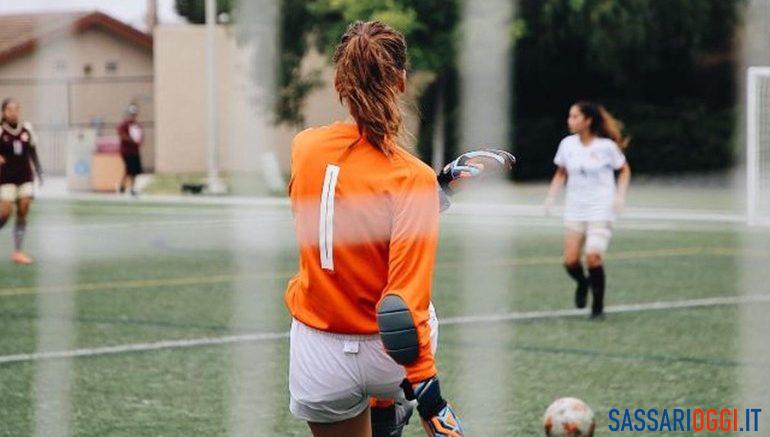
(448, 321)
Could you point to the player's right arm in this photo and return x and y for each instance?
(558, 180)
(559, 177)
(2, 160)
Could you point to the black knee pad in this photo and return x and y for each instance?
(397, 330)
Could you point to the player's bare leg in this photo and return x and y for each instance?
(20, 230)
(359, 426)
(5, 212)
(130, 185)
(123, 181)
(573, 245)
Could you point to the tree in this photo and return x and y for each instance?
(429, 27)
(194, 11)
(664, 67)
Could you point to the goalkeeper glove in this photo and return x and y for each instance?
(473, 164)
(438, 416)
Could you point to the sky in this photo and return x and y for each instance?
(129, 11)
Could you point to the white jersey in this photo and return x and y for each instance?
(590, 177)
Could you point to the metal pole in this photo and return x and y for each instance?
(215, 184)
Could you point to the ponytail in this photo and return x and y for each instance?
(369, 65)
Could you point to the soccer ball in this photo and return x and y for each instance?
(569, 417)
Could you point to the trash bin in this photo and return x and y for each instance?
(106, 164)
(80, 147)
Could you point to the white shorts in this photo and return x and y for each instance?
(597, 234)
(13, 192)
(332, 376)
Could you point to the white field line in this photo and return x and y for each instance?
(526, 216)
(458, 208)
(88, 227)
(461, 320)
(669, 214)
(173, 199)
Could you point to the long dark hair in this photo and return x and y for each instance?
(603, 124)
(369, 65)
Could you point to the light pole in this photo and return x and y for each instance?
(215, 183)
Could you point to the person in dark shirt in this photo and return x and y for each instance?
(18, 155)
(131, 136)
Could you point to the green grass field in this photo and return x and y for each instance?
(112, 274)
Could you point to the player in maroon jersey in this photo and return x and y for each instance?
(17, 157)
(131, 135)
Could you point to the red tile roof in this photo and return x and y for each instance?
(22, 33)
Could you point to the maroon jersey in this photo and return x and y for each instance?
(16, 148)
(130, 133)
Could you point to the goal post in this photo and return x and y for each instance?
(758, 145)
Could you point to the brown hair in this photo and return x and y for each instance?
(7, 101)
(369, 65)
(603, 124)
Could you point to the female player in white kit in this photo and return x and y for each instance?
(587, 160)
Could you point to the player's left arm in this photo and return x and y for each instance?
(624, 179)
(33, 152)
(620, 164)
(402, 313)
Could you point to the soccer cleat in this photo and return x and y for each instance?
(20, 258)
(597, 315)
(581, 294)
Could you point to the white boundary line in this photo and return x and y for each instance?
(458, 207)
(461, 320)
(666, 214)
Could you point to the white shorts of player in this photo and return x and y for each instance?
(597, 234)
(13, 192)
(332, 376)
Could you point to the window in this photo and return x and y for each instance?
(111, 67)
(60, 66)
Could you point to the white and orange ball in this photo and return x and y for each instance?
(569, 417)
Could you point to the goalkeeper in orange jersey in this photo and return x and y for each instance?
(366, 219)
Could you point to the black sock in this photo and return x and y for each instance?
(3, 221)
(576, 272)
(384, 421)
(596, 277)
(18, 234)
(384, 414)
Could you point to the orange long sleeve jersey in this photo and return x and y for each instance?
(367, 226)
